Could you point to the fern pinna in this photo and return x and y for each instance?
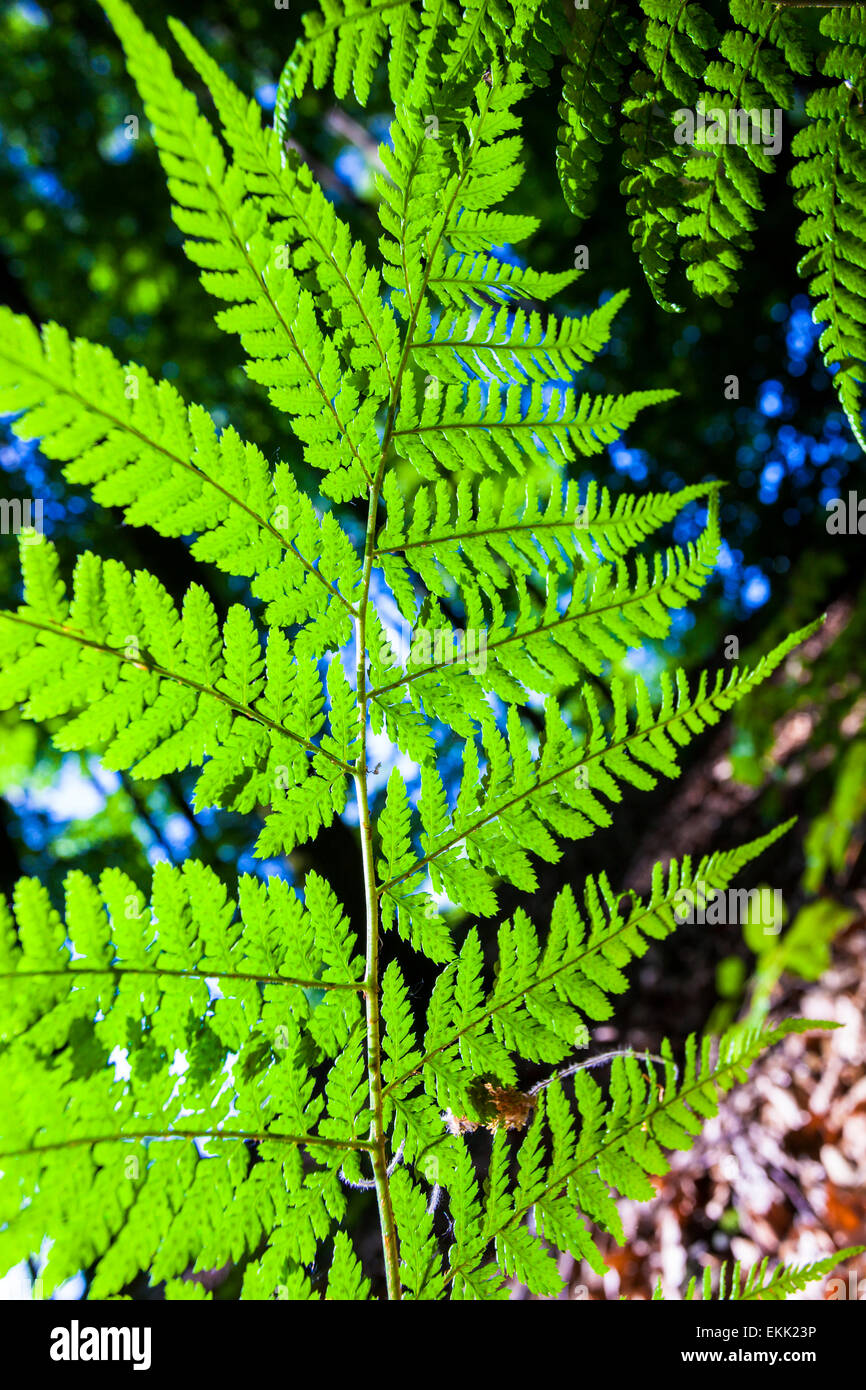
(198, 1074)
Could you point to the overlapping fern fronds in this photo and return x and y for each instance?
(830, 178)
(703, 117)
(599, 51)
(193, 1076)
(426, 43)
(748, 88)
(672, 53)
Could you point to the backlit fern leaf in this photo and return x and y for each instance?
(144, 970)
(487, 534)
(138, 446)
(546, 992)
(425, 42)
(620, 1145)
(676, 37)
(244, 263)
(523, 802)
(304, 223)
(829, 176)
(683, 76)
(511, 345)
(193, 1077)
(486, 429)
(597, 57)
(627, 1138)
(557, 634)
(346, 1282)
(748, 88)
(158, 690)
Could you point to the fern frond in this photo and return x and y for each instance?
(486, 429)
(138, 446)
(604, 611)
(487, 534)
(347, 40)
(158, 690)
(545, 993)
(420, 1261)
(829, 175)
(126, 959)
(480, 279)
(751, 77)
(470, 1277)
(121, 976)
(446, 170)
(425, 45)
(192, 1079)
(510, 345)
(676, 37)
(346, 1281)
(619, 1146)
(522, 802)
(603, 38)
(305, 223)
(243, 262)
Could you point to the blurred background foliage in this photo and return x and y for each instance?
(86, 238)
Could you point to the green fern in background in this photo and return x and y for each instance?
(806, 729)
(754, 72)
(692, 205)
(194, 1076)
(830, 176)
(672, 50)
(596, 56)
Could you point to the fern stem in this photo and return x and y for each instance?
(72, 969)
(374, 1040)
(210, 1135)
(429, 542)
(371, 889)
(387, 1221)
(599, 1061)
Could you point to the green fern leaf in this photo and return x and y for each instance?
(750, 80)
(827, 176)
